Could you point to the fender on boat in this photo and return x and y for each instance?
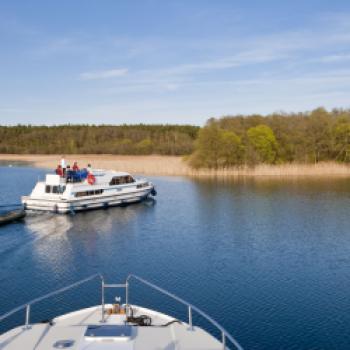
(91, 179)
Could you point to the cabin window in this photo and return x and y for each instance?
(54, 189)
(88, 193)
(129, 179)
(80, 194)
(145, 184)
(115, 181)
(120, 180)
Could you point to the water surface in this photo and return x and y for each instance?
(269, 259)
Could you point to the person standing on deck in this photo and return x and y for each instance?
(75, 166)
(76, 175)
(63, 165)
(59, 170)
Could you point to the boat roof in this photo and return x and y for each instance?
(101, 176)
(109, 172)
(84, 331)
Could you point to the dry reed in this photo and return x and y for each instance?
(172, 165)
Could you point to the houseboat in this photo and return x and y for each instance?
(84, 190)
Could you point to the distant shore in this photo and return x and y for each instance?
(176, 166)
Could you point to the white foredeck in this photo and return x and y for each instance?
(177, 336)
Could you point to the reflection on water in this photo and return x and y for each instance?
(59, 232)
(14, 163)
(268, 258)
(45, 224)
(301, 185)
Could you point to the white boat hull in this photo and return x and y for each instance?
(82, 204)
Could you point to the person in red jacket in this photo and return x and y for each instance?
(75, 166)
(59, 170)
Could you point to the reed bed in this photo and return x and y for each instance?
(177, 166)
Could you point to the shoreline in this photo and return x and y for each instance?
(175, 166)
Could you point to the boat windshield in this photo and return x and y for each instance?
(120, 180)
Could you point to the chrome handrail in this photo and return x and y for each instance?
(48, 295)
(225, 334)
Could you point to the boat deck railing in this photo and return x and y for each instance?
(225, 335)
(27, 306)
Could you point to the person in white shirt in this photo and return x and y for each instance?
(63, 165)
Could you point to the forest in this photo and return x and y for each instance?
(237, 140)
(278, 138)
(102, 139)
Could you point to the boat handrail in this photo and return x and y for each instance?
(48, 295)
(224, 333)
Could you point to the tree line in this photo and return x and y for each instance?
(308, 137)
(274, 139)
(98, 139)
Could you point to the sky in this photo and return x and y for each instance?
(167, 61)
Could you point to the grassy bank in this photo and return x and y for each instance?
(174, 165)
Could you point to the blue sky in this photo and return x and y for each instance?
(170, 61)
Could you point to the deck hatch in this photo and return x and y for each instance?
(62, 344)
(106, 331)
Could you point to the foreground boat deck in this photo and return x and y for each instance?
(73, 326)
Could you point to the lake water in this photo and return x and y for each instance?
(268, 259)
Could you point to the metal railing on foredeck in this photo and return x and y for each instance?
(225, 335)
(28, 305)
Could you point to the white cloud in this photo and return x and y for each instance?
(171, 87)
(104, 74)
(334, 58)
(241, 59)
